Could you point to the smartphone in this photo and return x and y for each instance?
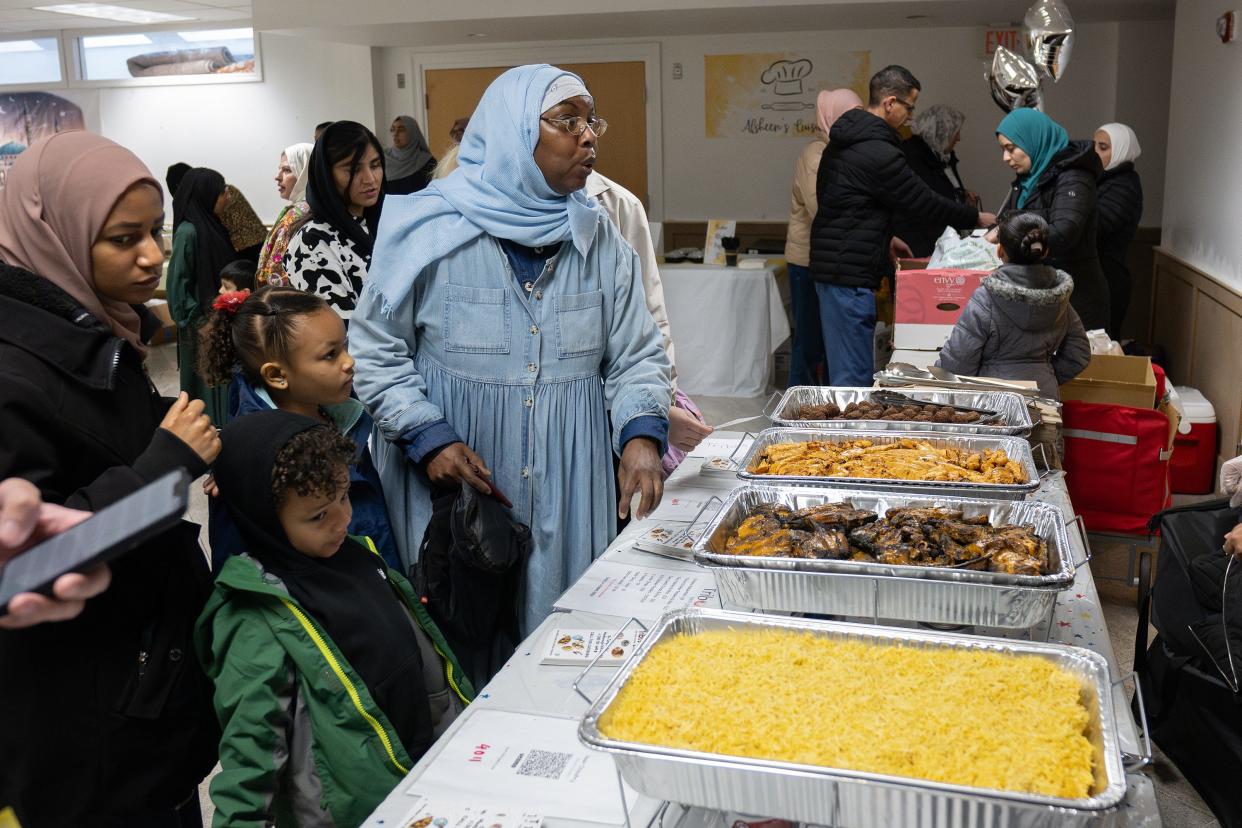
(107, 534)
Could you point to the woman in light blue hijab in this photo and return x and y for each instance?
(1057, 178)
(503, 321)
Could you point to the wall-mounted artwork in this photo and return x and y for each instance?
(773, 93)
(26, 117)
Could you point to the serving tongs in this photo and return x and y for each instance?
(895, 398)
(900, 373)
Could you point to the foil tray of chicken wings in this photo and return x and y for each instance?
(829, 407)
(959, 567)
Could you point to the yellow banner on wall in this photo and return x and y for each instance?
(773, 93)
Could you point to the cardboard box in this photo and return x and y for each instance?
(1115, 380)
(929, 303)
(919, 359)
(168, 330)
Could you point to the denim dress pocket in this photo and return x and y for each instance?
(476, 320)
(579, 324)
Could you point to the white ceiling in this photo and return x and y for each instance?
(21, 16)
(453, 22)
(477, 22)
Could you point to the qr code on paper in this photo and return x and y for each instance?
(547, 764)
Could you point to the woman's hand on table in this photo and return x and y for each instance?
(457, 463)
(685, 432)
(1233, 541)
(640, 472)
(24, 521)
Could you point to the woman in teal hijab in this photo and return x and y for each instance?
(1057, 179)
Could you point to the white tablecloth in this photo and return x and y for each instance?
(528, 686)
(726, 323)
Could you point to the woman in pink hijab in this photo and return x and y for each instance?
(808, 342)
(111, 705)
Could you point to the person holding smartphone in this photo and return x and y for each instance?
(105, 718)
(24, 521)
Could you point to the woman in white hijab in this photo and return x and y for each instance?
(291, 177)
(1120, 202)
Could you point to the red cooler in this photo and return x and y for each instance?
(1192, 469)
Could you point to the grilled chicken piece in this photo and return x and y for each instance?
(1014, 562)
(776, 544)
(836, 514)
(822, 544)
(919, 515)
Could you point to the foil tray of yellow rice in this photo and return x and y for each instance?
(807, 720)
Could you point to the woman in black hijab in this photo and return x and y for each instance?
(331, 254)
(201, 249)
(303, 611)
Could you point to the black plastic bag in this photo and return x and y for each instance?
(469, 573)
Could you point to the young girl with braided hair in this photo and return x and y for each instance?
(283, 348)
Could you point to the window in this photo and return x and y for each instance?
(171, 55)
(34, 60)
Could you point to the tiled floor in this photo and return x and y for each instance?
(1180, 806)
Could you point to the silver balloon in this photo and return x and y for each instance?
(1049, 35)
(1014, 82)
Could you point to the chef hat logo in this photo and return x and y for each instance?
(785, 76)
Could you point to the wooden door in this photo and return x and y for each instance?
(620, 91)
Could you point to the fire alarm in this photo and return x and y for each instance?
(1226, 27)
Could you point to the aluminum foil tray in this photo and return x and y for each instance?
(883, 591)
(1015, 416)
(1017, 448)
(854, 799)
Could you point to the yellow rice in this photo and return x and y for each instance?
(983, 719)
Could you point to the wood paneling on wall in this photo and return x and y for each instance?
(1198, 321)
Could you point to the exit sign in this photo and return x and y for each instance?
(1009, 38)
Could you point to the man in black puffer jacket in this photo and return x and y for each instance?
(864, 182)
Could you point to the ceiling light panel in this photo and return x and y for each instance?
(121, 14)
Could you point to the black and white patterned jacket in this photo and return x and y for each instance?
(322, 260)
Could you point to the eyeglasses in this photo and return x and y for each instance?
(909, 106)
(575, 125)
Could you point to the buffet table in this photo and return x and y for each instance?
(527, 686)
(727, 323)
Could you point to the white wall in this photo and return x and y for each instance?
(240, 129)
(1203, 191)
(1117, 72)
(748, 177)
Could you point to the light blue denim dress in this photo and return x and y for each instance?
(526, 375)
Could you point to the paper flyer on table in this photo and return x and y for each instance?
(525, 763)
(579, 647)
(445, 813)
(722, 447)
(642, 592)
(683, 506)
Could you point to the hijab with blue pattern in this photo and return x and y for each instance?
(497, 189)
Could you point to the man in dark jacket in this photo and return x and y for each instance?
(864, 181)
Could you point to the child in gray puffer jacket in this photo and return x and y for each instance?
(1019, 325)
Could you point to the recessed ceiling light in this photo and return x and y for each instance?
(216, 35)
(106, 41)
(20, 46)
(103, 11)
